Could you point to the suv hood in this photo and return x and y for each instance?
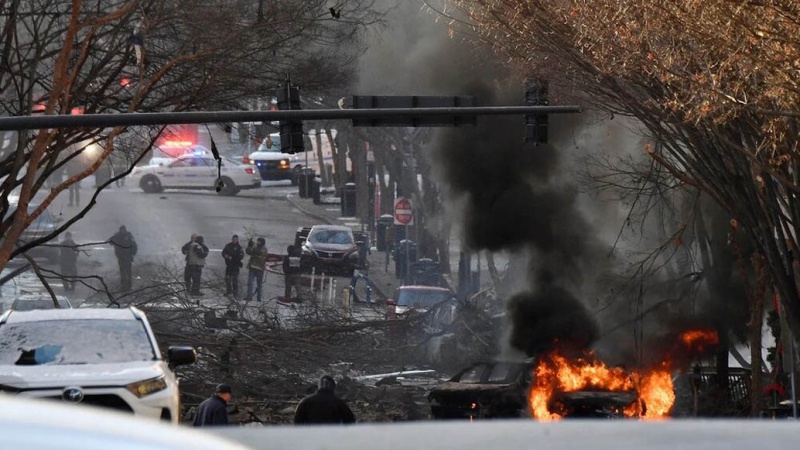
(85, 375)
(319, 247)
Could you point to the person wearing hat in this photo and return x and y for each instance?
(233, 253)
(214, 410)
(323, 407)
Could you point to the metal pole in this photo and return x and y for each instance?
(167, 118)
(793, 379)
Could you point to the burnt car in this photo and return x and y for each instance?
(497, 390)
(330, 249)
(485, 390)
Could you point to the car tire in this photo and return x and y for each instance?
(228, 187)
(150, 184)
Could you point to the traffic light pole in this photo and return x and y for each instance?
(169, 118)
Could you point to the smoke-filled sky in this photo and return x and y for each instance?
(507, 195)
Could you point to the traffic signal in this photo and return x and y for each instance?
(288, 97)
(536, 124)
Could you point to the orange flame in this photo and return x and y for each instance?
(699, 339)
(556, 374)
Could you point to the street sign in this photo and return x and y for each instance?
(403, 212)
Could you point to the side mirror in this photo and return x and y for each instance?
(181, 355)
(390, 302)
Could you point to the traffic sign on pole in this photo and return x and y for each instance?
(403, 212)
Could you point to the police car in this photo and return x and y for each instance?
(197, 171)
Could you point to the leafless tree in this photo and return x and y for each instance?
(107, 56)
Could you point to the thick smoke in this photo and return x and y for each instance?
(513, 194)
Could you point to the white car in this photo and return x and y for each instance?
(197, 172)
(100, 357)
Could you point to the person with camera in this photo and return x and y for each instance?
(233, 253)
(195, 260)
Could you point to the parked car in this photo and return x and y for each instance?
(485, 390)
(330, 249)
(42, 226)
(31, 302)
(100, 357)
(272, 164)
(197, 172)
(407, 299)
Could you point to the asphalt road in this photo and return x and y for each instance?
(162, 223)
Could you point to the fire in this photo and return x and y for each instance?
(699, 339)
(652, 391)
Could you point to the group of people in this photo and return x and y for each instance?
(196, 252)
(322, 407)
(124, 249)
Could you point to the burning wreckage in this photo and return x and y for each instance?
(563, 382)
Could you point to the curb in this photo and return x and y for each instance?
(290, 198)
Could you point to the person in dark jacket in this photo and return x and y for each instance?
(196, 260)
(187, 275)
(69, 261)
(323, 407)
(291, 272)
(214, 410)
(255, 266)
(125, 249)
(233, 254)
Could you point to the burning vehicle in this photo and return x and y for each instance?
(485, 390)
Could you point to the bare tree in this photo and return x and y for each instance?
(106, 56)
(710, 82)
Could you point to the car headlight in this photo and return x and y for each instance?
(147, 387)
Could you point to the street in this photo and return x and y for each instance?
(162, 223)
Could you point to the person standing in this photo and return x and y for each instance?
(125, 249)
(233, 254)
(187, 276)
(195, 260)
(69, 261)
(214, 410)
(291, 272)
(323, 407)
(255, 266)
(74, 168)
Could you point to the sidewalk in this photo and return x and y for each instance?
(383, 281)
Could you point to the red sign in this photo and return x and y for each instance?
(403, 212)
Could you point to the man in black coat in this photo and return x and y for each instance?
(69, 261)
(233, 254)
(323, 407)
(214, 410)
(125, 249)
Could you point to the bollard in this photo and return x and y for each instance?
(331, 290)
(312, 285)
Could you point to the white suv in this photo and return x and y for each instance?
(101, 357)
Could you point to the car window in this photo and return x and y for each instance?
(504, 373)
(270, 145)
(180, 163)
(330, 237)
(61, 342)
(473, 375)
(420, 298)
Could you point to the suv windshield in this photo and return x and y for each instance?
(271, 144)
(331, 237)
(420, 298)
(62, 342)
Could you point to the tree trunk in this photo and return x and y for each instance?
(339, 161)
(756, 321)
